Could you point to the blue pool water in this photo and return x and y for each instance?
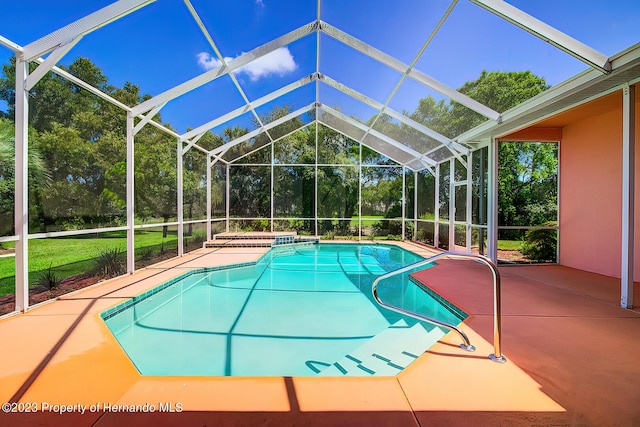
(295, 312)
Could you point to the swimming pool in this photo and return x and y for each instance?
(300, 310)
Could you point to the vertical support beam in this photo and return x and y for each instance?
(559, 206)
(481, 203)
(360, 193)
(209, 166)
(436, 209)
(452, 204)
(21, 206)
(628, 194)
(315, 204)
(469, 213)
(404, 200)
(180, 198)
(415, 205)
(228, 194)
(130, 196)
(492, 202)
(272, 184)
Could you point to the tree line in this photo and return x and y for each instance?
(78, 148)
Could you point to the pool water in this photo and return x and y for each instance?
(299, 311)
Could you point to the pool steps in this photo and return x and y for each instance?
(257, 239)
(387, 353)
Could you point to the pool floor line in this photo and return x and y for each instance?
(247, 335)
(227, 367)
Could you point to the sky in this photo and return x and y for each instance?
(160, 46)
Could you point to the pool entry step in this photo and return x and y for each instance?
(386, 354)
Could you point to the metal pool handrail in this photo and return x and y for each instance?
(497, 313)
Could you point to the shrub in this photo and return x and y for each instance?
(329, 235)
(146, 254)
(49, 279)
(199, 236)
(259, 225)
(71, 223)
(541, 245)
(110, 263)
(379, 229)
(409, 231)
(425, 235)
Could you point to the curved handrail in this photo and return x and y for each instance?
(497, 312)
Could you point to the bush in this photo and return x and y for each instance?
(329, 235)
(49, 279)
(425, 236)
(71, 223)
(145, 254)
(110, 263)
(541, 245)
(409, 232)
(260, 225)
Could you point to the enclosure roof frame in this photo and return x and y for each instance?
(60, 41)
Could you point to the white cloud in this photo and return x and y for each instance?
(259, 3)
(279, 62)
(208, 62)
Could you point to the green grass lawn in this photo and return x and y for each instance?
(510, 245)
(354, 220)
(70, 256)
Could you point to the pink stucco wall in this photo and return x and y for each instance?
(591, 193)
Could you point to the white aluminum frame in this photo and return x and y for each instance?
(407, 150)
(492, 202)
(81, 27)
(21, 177)
(436, 208)
(131, 263)
(452, 205)
(61, 41)
(628, 195)
(224, 64)
(180, 196)
(258, 131)
(455, 148)
(220, 71)
(469, 213)
(419, 76)
(547, 33)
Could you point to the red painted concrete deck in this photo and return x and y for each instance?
(572, 360)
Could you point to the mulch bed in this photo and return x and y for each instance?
(513, 257)
(38, 294)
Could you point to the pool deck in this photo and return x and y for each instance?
(573, 359)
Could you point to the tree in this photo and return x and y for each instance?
(528, 171)
(498, 90)
(83, 143)
(39, 176)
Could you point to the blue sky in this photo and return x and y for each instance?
(160, 46)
